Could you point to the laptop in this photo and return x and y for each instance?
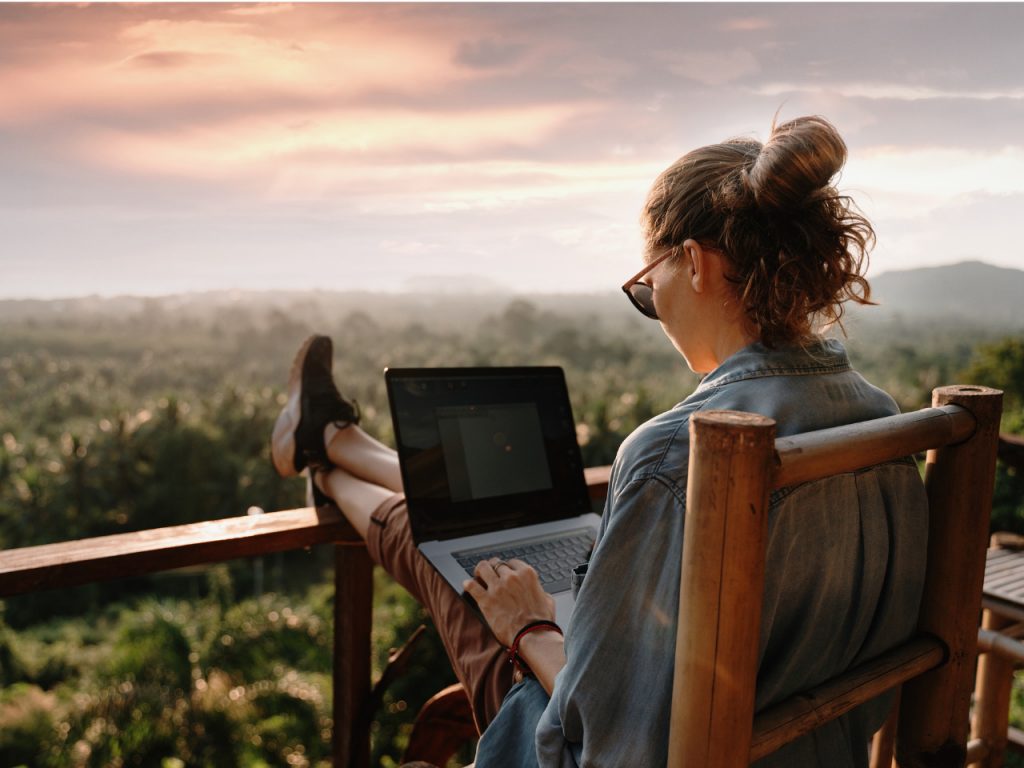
(491, 468)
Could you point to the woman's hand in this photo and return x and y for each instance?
(509, 594)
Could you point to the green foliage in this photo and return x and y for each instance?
(27, 716)
(152, 650)
(161, 417)
(396, 618)
(1008, 500)
(162, 686)
(1001, 365)
(11, 667)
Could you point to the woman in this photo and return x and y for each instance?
(750, 251)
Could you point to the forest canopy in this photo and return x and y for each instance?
(119, 415)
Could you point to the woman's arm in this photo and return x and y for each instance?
(509, 595)
(545, 653)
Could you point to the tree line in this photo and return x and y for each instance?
(111, 424)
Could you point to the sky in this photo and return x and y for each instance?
(154, 149)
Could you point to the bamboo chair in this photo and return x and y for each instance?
(735, 462)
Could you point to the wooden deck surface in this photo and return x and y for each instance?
(1004, 582)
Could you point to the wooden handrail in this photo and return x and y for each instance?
(103, 558)
(121, 555)
(136, 553)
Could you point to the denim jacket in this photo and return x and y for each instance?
(844, 573)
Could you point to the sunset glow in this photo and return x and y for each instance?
(365, 146)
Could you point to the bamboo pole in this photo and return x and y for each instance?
(994, 681)
(999, 643)
(814, 455)
(933, 722)
(721, 589)
(811, 708)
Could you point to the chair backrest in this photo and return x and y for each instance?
(735, 463)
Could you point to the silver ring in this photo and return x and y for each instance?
(501, 563)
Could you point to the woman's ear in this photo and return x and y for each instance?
(695, 262)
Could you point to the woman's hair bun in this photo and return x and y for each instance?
(798, 160)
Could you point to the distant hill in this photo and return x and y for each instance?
(971, 291)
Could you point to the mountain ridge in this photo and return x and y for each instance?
(968, 291)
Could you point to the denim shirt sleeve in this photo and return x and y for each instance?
(617, 635)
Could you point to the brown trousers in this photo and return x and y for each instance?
(476, 656)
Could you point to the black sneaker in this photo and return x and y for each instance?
(313, 403)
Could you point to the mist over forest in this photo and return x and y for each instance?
(125, 413)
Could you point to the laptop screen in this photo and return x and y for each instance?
(483, 449)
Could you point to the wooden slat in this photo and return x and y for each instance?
(1010, 609)
(803, 713)
(814, 455)
(1005, 540)
(71, 563)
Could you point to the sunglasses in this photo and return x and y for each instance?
(642, 294)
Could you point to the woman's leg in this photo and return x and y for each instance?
(363, 459)
(381, 518)
(318, 428)
(364, 456)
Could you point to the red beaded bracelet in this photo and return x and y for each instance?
(533, 626)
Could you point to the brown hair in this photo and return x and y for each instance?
(795, 247)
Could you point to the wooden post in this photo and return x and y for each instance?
(353, 603)
(933, 722)
(721, 589)
(992, 696)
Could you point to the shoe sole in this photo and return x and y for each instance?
(282, 441)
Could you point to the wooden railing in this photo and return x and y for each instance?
(105, 558)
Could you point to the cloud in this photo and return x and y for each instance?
(519, 138)
(715, 67)
(747, 24)
(488, 53)
(201, 60)
(337, 139)
(890, 90)
(167, 59)
(974, 226)
(936, 174)
(260, 9)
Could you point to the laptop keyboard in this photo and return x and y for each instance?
(552, 557)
